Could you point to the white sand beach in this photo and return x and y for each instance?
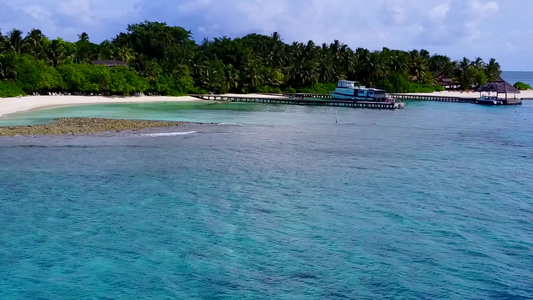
(13, 105)
(19, 104)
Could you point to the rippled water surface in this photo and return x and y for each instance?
(280, 202)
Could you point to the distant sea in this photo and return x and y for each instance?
(434, 201)
(514, 76)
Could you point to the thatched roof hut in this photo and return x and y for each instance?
(500, 87)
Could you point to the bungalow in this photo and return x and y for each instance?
(448, 83)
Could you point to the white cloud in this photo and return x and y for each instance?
(37, 12)
(396, 9)
(439, 11)
(193, 6)
(483, 8)
(80, 9)
(452, 27)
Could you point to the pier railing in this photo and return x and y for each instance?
(402, 97)
(432, 98)
(304, 101)
(327, 100)
(414, 97)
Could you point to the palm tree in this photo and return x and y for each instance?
(310, 49)
(362, 56)
(372, 67)
(464, 63)
(377, 68)
(148, 68)
(424, 54)
(254, 73)
(276, 57)
(3, 43)
(441, 65)
(7, 66)
(398, 63)
(232, 78)
(124, 54)
(84, 37)
(418, 68)
(105, 50)
(15, 40)
(493, 70)
(328, 70)
(348, 65)
(34, 42)
(478, 63)
(276, 37)
(296, 51)
(305, 72)
(335, 49)
(56, 52)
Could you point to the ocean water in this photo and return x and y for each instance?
(279, 202)
(514, 76)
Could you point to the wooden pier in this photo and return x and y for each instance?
(305, 101)
(433, 98)
(404, 97)
(327, 100)
(303, 95)
(411, 97)
(397, 96)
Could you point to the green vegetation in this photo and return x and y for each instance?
(9, 89)
(165, 60)
(522, 86)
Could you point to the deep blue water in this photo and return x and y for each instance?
(514, 76)
(434, 201)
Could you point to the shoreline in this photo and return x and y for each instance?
(9, 106)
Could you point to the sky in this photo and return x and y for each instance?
(501, 29)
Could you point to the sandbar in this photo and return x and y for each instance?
(80, 126)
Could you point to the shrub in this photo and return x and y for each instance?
(125, 81)
(522, 86)
(34, 75)
(290, 90)
(198, 90)
(73, 78)
(9, 89)
(268, 89)
(397, 83)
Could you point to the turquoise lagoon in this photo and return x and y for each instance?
(272, 202)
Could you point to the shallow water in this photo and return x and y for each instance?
(434, 201)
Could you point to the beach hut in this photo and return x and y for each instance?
(499, 86)
(448, 83)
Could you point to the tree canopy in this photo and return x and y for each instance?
(166, 60)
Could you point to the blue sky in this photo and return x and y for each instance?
(502, 29)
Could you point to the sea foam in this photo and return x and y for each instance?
(168, 133)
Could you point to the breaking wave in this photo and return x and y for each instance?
(168, 133)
